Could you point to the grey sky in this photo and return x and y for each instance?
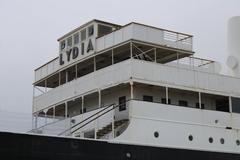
(29, 30)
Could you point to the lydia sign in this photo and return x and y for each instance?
(74, 53)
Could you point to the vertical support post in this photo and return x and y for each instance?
(66, 110)
(230, 104)
(166, 95)
(99, 98)
(76, 75)
(66, 76)
(131, 86)
(82, 104)
(113, 127)
(178, 58)
(131, 51)
(94, 63)
(112, 57)
(200, 100)
(59, 75)
(155, 55)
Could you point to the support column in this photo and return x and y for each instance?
(112, 57)
(59, 75)
(155, 55)
(94, 63)
(66, 76)
(200, 100)
(177, 58)
(131, 53)
(82, 104)
(166, 95)
(230, 104)
(76, 71)
(131, 94)
(99, 98)
(66, 110)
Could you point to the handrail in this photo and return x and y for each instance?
(114, 106)
(87, 118)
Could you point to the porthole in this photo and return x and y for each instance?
(190, 137)
(238, 142)
(156, 134)
(210, 140)
(222, 141)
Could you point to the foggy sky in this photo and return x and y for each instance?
(29, 30)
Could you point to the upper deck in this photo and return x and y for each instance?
(74, 48)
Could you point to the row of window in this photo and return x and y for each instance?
(76, 37)
(210, 139)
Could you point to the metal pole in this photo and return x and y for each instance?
(131, 85)
(94, 63)
(155, 55)
(113, 127)
(112, 57)
(166, 95)
(131, 54)
(66, 110)
(45, 85)
(230, 104)
(66, 76)
(200, 100)
(76, 72)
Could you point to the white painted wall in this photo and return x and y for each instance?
(174, 124)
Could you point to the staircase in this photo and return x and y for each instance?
(108, 129)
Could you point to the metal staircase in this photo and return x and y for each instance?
(109, 128)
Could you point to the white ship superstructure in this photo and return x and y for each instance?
(137, 84)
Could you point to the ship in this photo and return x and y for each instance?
(134, 91)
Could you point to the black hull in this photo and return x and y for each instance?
(33, 147)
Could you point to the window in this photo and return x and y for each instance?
(165, 102)
(122, 103)
(103, 30)
(183, 103)
(76, 38)
(83, 35)
(235, 105)
(69, 41)
(90, 31)
(148, 98)
(202, 105)
(63, 45)
(82, 48)
(222, 105)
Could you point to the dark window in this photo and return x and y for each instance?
(122, 103)
(82, 49)
(235, 105)
(76, 38)
(165, 102)
(222, 105)
(183, 103)
(103, 30)
(69, 41)
(202, 105)
(148, 98)
(90, 31)
(83, 35)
